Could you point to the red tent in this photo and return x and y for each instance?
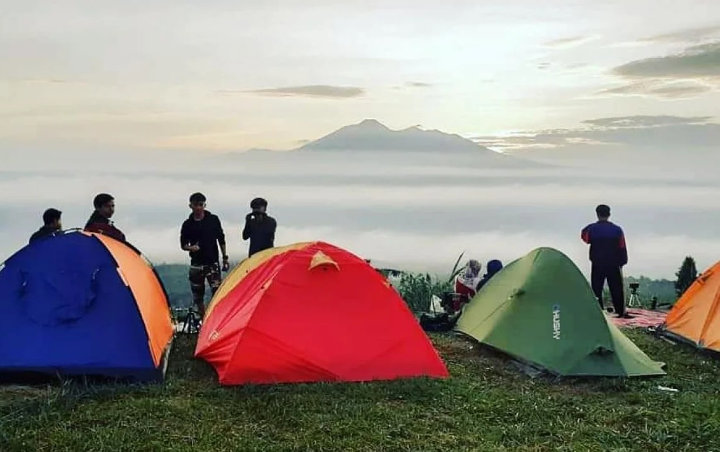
(312, 312)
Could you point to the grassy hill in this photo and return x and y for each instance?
(486, 405)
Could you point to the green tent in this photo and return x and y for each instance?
(541, 310)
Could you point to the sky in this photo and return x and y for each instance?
(223, 75)
(152, 101)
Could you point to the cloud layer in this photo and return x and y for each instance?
(647, 121)
(702, 61)
(659, 88)
(565, 43)
(673, 146)
(418, 85)
(684, 36)
(323, 91)
(689, 73)
(411, 214)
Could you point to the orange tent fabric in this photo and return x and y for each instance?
(149, 293)
(695, 317)
(312, 312)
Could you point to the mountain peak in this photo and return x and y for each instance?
(372, 124)
(371, 135)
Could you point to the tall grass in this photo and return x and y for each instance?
(417, 289)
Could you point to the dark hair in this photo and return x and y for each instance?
(494, 266)
(603, 211)
(197, 198)
(102, 199)
(258, 203)
(51, 215)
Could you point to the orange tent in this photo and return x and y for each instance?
(695, 318)
(312, 312)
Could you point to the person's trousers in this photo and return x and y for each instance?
(197, 276)
(614, 278)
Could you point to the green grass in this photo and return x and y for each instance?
(486, 405)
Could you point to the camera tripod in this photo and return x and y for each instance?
(634, 298)
(192, 322)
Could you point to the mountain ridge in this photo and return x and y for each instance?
(371, 135)
(371, 139)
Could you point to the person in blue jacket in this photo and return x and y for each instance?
(608, 255)
(493, 267)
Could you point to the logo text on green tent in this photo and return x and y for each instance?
(556, 322)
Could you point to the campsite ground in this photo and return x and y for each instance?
(487, 404)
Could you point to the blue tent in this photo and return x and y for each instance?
(82, 304)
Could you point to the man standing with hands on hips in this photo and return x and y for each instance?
(200, 235)
(259, 227)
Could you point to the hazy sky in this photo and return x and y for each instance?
(229, 75)
(148, 95)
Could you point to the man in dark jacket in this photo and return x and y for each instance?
(99, 221)
(52, 225)
(200, 235)
(259, 227)
(608, 254)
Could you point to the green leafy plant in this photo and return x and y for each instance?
(417, 289)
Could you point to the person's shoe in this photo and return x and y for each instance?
(625, 316)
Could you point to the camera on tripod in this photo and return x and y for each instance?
(634, 299)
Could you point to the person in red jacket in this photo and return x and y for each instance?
(100, 222)
(467, 280)
(608, 254)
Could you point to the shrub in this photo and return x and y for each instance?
(417, 290)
